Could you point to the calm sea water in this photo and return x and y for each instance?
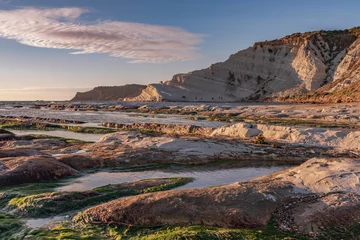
(7, 109)
(203, 177)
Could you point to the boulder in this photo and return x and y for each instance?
(240, 130)
(19, 170)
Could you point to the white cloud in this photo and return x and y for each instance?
(58, 28)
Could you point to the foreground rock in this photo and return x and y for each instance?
(230, 206)
(52, 203)
(31, 160)
(19, 170)
(308, 195)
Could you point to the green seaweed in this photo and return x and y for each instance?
(8, 193)
(193, 232)
(52, 203)
(9, 226)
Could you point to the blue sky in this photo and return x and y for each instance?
(197, 33)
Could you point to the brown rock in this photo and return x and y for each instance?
(21, 170)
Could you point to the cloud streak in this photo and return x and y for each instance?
(59, 28)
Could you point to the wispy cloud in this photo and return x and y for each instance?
(5, 1)
(59, 28)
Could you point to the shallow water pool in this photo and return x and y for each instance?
(203, 177)
(87, 137)
(42, 222)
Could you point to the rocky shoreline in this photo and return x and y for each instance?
(315, 198)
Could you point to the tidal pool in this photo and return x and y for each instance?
(42, 222)
(203, 177)
(87, 137)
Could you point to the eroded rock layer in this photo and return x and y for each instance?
(109, 93)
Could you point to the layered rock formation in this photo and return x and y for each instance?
(110, 93)
(293, 65)
(345, 86)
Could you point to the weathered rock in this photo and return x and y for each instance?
(110, 93)
(169, 129)
(230, 206)
(19, 170)
(7, 137)
(250, 204)
(299, 135)
(241, 130)
(81, 162)
(19, 152)
(315, 213)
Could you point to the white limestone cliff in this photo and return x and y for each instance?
(295, 64)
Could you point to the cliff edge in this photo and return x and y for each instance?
(110, 93)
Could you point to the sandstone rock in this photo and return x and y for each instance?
(296, 205)
(241, 130)
(326, 175)
(313, 214)
(230, 206)
(298, 135)
(21, 170)
(19, 152)
(83, 162)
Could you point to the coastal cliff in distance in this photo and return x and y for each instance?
(296, 67)
(113, 93)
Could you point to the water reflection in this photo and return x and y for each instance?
(87, 137)
(203, 177)
(42, 222)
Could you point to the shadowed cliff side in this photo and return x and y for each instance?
(110, 93)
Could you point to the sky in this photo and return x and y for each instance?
(51, 49)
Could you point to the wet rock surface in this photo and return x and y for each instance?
(50, 203)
